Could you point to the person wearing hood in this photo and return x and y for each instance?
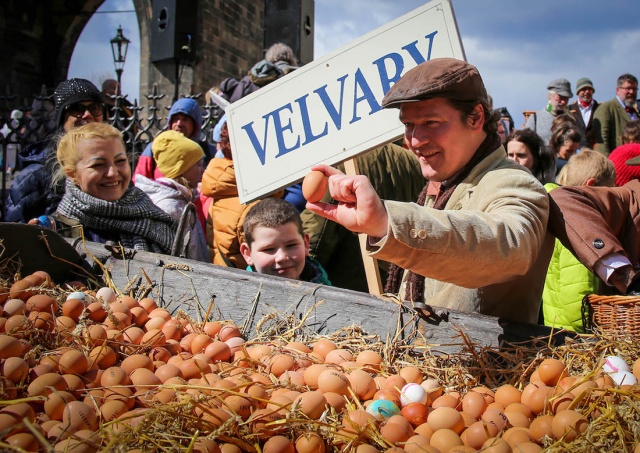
(185, 116)
(77, 102)
(180, 160)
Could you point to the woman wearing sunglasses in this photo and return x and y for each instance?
(77, 102)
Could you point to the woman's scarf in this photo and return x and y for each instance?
(415, 282)
(140, 224)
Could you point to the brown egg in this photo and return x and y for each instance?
(73, 308)
(540, 427)
(75, 384)
(112, 409)
(335, 400)
(23, 441)
(477, 434)
(447, 400)
(280, 363)
(310, 442)
(135, 362)
(396, 432)
(95, 335)
(229, 331)
(103, 356)
(496, 445)
(314, 186)
(42, 321)
(337, 356)
(4, 294)
(538, 401)
(474, 404)
(568, 424)
(324, 346)
(415, 413)
(507, 394)
(96, 312)
(312, 404)
(445, 439)
(55, 403)
(78, 415)
(278, 444)
(369, 359)
(236, 344)
(312, 373)
(148, 304)
(395, 382)
(517, 435)
(333, 381)
(45, 384)
(411, 374)
(218, 351)
(551, 371)
(446, 418)
(144, 379)
(19, 290)
(495, 417)
(16, 369)
(362, 384)
(73, 362)
(153, 338)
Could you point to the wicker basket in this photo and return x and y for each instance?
(612, 313)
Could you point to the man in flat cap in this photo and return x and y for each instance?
(613, 115)
(583, 110)
(558, 95)
(474, 240)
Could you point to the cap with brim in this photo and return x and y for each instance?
(584, 83)
(561, 87)
(441, 77)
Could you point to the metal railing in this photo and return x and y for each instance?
(23, 123)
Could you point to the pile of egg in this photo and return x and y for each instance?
(117, 358)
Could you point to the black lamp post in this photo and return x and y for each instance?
(119, 46)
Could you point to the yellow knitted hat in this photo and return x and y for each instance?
(175, 154)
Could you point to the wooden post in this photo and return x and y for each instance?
(371, 268)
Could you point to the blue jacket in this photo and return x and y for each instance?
(31, 194)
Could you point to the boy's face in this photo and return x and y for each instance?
(277, 251)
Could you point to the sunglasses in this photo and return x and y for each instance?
(77, 110)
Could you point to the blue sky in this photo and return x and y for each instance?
(518, 46)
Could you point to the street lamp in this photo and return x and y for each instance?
(119, 46)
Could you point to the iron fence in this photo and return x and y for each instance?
(27, 121)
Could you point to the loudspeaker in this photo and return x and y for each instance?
(290, 22)
(174, 27)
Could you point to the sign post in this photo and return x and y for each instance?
(329, 110)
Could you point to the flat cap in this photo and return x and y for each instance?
(561, 87)
(438, 78)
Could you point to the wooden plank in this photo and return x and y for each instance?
(246, 298)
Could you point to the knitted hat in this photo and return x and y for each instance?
(175, 154)
(561, 87)
(72, 91)
(441, 77)
(584, 83)
(625, 159)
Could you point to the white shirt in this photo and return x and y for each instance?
(586, 112)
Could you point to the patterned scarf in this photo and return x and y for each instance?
(415, 282)
(140, 224)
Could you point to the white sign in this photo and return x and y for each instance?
(329, 110)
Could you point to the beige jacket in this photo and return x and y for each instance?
(486, 252)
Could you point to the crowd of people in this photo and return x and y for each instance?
(465, 212)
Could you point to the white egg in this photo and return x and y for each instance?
(623, 377)
(413, 393)
(78, 295)
(613, 364)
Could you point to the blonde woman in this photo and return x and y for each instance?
(99, 202)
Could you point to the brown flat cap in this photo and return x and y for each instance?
(438, 78)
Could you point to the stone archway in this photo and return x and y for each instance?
(38, 38)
